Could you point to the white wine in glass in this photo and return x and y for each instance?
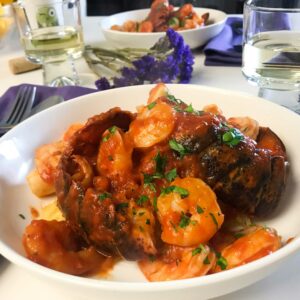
(51, 35)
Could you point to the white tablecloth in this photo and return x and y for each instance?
(16, 283)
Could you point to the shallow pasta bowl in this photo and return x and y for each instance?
(193, 37)
(126, 281)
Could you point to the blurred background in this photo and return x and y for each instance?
(96, 7)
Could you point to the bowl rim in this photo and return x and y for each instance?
(108, 30)
(127, 286)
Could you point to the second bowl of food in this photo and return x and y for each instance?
(142, 28)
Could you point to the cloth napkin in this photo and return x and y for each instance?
(226, 48)
(42, 93)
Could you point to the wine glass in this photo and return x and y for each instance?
(271, 49)
(51, 34)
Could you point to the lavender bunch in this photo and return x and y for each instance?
(169, 60)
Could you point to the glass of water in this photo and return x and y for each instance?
(51, 35)
(271, 49)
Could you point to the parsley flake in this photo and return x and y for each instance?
(184, 220)
(112, 130)
(232, 137)
(198, 250)
(160, 162)
(174, 145)
(200, 210)
(221, 262)
(121, 206)
(171, 175)
(148, 221)
(155, 203)
(206, 261)
(214, 219)
(175, 189)
(151, 105)
(104, 196)
(22, 216)
(151, 257)
(142, 199)
(174, 99)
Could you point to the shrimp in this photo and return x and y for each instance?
(188, 212)
(179, 263)
(160, 90)
(54, 244)
(71, 130)
(114, 156)
(146, 26)
(256, 242)
(47, 158)
(213, 109)
(153, 124)
(246, 125)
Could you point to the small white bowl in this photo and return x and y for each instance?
(193, 37)
(126, 281)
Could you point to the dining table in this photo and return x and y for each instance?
(17, 283)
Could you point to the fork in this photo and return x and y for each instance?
(20, 109)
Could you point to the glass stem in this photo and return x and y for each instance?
(60, 73)
(287, 98)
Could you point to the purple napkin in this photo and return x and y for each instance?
(226, 48)
(42, 93)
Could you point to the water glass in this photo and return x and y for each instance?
(271, 49)
(51, 35)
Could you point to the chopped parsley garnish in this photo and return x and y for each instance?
(152, 257)
(232, 137)
(141, 228)
(198, 250)
(155, 203)
(175, 189)
(221, 261)
(200, 210)
(171, 175)
(174, 99)
(190, 109)
(148, 221)
(110, 158)
(121, 206)
(148, 181)
(141, 213)
(104, 196)
(206, 261)
(174, 226)
(214, 219)
(22, 216)
(238, 235)
(174, 145)
(151, 105)
(112, 130)
(160, 162)
(142, 199)
(185, 220)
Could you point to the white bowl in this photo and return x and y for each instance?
(126, 281)
(193, 37)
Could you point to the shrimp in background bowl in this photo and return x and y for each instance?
(162, 187)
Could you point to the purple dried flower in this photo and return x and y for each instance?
(167, 61)
(103, 84)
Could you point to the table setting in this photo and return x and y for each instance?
(60, 67)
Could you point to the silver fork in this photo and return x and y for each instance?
(20, 109)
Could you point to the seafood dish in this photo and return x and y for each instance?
(173, 188)
(163, 16)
